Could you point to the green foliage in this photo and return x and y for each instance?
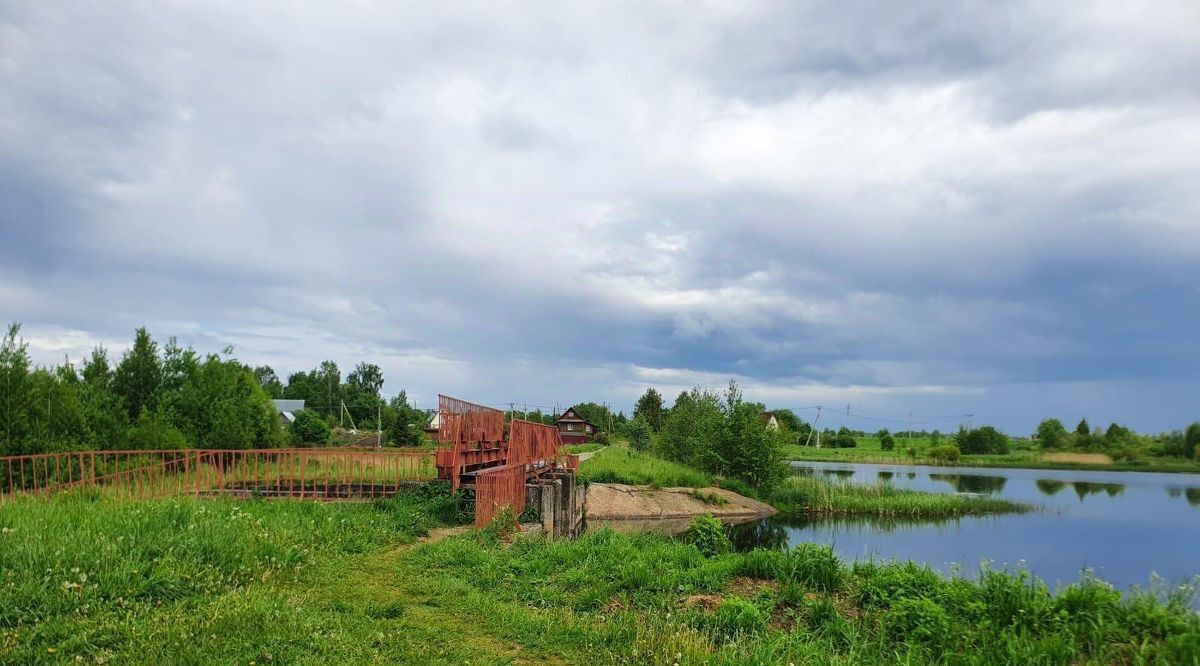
(156, 430)
(692, 428)
(15, 394)
(404, 423)
(984, 439)
(708, 534)
(809, 495)
(844, 439)
(309, 428)
(650, 409)
(746, 449)
(1083, 428)
(886, 442)
(1052, 434)
(638, 432)
(139, 374)
(788, 419)
(600, 438)
(1191, 438)
(269, 381)
(944, 453)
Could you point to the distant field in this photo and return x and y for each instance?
(1022, 454)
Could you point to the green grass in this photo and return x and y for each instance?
(1023, 454)
(174, 581)
(809, 495)
(621, 465)
(644, 599)
(85, 580)
(800, 495)
(584, 448)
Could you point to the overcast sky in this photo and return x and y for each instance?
(949, 208)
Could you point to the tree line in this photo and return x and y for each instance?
(169, 396)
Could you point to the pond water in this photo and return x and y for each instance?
(1126, 527)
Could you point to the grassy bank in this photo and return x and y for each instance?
(210, 581)
(1023, 455)
(618, 464)
(615, 598)
(802, 495)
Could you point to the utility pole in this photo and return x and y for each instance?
(969, 417)
(847, 415)
(816, 427)
(379, 425)
(910, 427)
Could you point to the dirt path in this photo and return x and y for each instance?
(589, 454)
(614, 501)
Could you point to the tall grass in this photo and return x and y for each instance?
(622, 465)
(810, 495)
(617, 598)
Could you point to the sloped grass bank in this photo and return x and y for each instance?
(800, 495)
(620, 598)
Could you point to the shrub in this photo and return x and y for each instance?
(984, 439)
(639, 434)
(708, 535)
(887, 443)
(844, 439)
(309, 428)
(600, 438)
(946, 453)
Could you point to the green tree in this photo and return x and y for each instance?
(638, 432)
(788, 419)
(139, 375)
(1083, 428)
(155, 430)
(309, 428)
(746, 449)
(407, 422)
(984, 439)
(269, 381)
(692, 426)
(1051, 434)
(886, 442)
(650, 408)
(15, 393)
(361, 393)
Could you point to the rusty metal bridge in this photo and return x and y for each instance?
(476, 449)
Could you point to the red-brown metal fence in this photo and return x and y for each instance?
(499, 488)
(462, 421)
(304, 473)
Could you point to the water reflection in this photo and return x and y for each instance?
(773, 532)
(1050, 486)
(1192, 494)
(972, 483)
(886, 476)
(839, 473)
(1085, 488)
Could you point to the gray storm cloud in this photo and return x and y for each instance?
(981, 208)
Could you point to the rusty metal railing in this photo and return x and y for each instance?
(302, 473)
(499, 488)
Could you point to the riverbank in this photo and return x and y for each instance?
(615, 501)
(219, 581)
(1021, 459)
(814, 496)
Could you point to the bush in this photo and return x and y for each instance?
(639, 434)
(309, 428)
(843, 439)
(984, 439)
(887, 443)
(946, 453)
(708, 535)
(600, 438)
